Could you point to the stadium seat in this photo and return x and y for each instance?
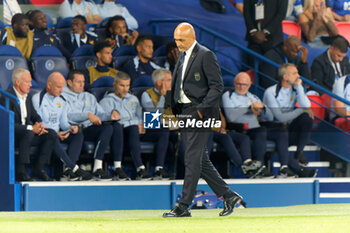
(103, 23)
(119, 61)
(230, 59)
(159, 60)
(160, 52)
(313, 53)
(83, 57)
(46, 60)
(228, 80)
(64, 22)
(10, 59)
(137, 91)
(125, 50)
(2, 25)
(291, 28)
(101, 86)
(343, 29)
(142, 81)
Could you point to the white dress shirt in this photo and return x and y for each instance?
(23, 107)
(183, 98)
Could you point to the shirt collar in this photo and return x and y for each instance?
(19, 96)
(329, 58)
(189, 51)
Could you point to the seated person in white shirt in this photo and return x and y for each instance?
(110, 8)
(29, 129)
(281, 99)
(87, 8)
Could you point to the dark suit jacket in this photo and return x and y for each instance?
(322, 71)
(202, 82)
(67, 43)
(276, 55)
(32, 115)
(274, 13)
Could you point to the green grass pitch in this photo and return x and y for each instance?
(303, 218)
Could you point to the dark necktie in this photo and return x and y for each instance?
(179, 77)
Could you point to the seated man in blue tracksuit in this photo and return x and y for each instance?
(153, 99)
(141, 64)
(243, 107)
(229, 140)
(42, 36)
(52, 108)
(125, 107)
(83, 109)
(281, 99)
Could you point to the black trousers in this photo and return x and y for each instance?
(197, 164)
(24, 139)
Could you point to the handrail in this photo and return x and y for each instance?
(8, 96)
(256, 55)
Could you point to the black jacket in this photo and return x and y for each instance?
(322, 71)
(276, 55)
(32, 115)
(202, 82)
(274, 13)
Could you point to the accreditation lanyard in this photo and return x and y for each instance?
(259, 12)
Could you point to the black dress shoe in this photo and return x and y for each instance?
(42, 175)
(23, 177)
(230, 203)
(178, 211)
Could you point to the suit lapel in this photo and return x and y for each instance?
(190, 61)
(176, 70)
(16, 108)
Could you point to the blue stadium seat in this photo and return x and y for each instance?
(119, 61)
(103, 23)
(46, 60)
(228, 80)
(64, 22)
(125, 50)
(137, 91)
(10, 59)
(142, 81)
(2, 25)
(159, 52)
(159, 60)
(83, 57)
(101, 86)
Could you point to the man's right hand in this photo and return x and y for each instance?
(115, 115)
(39, 129)
(94, 119)
(258, 37)
(309, 112)
(63, 135)
(163, 89)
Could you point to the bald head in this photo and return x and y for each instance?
(242, 83)
(184, 36)
(55, 84)
(291, 47)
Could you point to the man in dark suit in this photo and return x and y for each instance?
(287, 52)
(332, 64)
(29, 129)
(79, 36)
(263, 19)
(196, 91)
